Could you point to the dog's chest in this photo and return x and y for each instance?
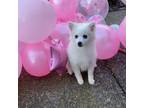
(84, 63)
(83, 58)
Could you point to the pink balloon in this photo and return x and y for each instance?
(98, 19)
(21, 46)
(37, 20)
(19, 65)
(61, 32)
(115, 26)
(59, 42)
(124, 1)
(94, 7)
(79, 18)
(107, 42)
(122, 32)
(65, 9)
(36, 59)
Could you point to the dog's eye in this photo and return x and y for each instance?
(76, 36)
(85, 36)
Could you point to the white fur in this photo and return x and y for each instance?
(82, 58)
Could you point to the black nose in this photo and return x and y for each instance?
(80, 44)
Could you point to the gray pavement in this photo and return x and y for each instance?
(55, 91)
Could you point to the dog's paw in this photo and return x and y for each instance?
(80, 82)
(70, 72)
(91, 81)
(95, 65)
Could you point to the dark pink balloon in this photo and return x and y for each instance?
(36, 59)
(122, 32)
(107, 42)
(65, 9)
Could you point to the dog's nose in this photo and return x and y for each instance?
(80, 44)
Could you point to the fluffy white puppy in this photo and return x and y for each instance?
(82, 50)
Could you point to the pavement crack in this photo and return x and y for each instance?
(117, 81)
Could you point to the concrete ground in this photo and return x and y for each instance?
(55, 91)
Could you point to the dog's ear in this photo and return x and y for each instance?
(71, 25)
(92, 26)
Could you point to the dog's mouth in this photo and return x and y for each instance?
(80, 44)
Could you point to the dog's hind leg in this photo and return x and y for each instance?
(78, 75)
(96, 64)
(69, 70)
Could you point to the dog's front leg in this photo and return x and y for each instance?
(78, 75)
(91, 74)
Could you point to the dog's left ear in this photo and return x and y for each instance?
(71, 25)
(92, 26)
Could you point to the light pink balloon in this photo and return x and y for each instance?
(19, 65)
(94, 7)
(36, 59)
(122, 32)
(98, 19)
(65, 9)
(107, 42)
(36, 20)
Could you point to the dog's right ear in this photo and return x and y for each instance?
(71, 25)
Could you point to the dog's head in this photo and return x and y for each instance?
(82, 33)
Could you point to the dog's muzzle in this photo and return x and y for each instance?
(80, 44)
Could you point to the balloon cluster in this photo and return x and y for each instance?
(44, 33)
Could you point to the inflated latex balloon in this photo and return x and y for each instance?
(36, 20)
(36, 59)
(61, 32)
(59, 42)
(94, 7)
(21, 46)
(19, 66)
(122, 32)
(107, 42)
(98, 19)
(124, 1)
(65, 9)
(115, 26)
(79, 18)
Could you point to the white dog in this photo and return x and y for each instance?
(82, 50)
